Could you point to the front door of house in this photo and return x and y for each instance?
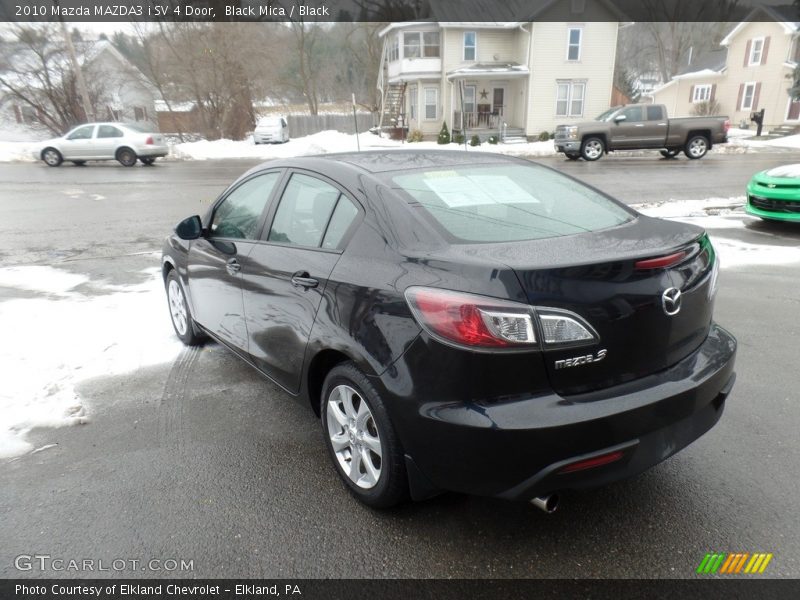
(793, 113)
(498, 100)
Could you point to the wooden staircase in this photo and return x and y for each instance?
(393, 104)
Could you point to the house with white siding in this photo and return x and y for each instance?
(513, 79)
(752, 70)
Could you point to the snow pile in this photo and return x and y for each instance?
(17, 151)
(789, 141)
(326, 142)
(73, 329)
(716, 214)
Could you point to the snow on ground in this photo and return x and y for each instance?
(70, 330)
(326, 142)
(715, 214)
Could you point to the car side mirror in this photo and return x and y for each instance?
(619, 119)
(189, 229)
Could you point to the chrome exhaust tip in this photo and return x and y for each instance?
(548, 503)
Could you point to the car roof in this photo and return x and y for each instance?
(383, 161)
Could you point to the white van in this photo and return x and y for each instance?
(272, 130)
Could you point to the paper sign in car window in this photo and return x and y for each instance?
(457, 192)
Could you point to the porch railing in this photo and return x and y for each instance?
(478, 120)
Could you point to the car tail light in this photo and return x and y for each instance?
(562, 327)
(472, 320)
(591, 463)
(660, 262)
(726, 125)
(149, 140)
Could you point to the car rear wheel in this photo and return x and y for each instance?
(52, 157)
(696, 147)
(669, 153)
(147, 160)
(361, 440)
(126, 157)
(180, 313)
(593, 148)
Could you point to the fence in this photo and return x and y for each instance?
(302, 125)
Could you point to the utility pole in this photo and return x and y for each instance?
(76, 68)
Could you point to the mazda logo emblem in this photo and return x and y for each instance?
(671, 301)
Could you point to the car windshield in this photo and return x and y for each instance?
(503, 203)
(269, 122)
(606, 115)
(136, 127)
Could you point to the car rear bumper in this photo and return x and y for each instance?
(515, 448)
(152, 151)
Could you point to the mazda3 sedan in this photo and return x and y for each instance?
(460, 321)
(774, 194)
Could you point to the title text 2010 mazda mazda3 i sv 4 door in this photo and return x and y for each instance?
(460, 321)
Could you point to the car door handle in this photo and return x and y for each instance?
(233, 266)
(302, 279)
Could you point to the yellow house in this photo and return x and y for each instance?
(752, 71)
(511, 79)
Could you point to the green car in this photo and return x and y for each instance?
(775, 194)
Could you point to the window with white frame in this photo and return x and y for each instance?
(431, 103)
(756, 51)
(412, 102)
(574, 37)
(470, 45)
(702, 93)
(748, 95)
(418, 44)
(394, 48)
(570, 96)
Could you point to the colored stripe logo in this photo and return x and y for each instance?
(734, 563)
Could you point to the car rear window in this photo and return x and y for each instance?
(503, 203)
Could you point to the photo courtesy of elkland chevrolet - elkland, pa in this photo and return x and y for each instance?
(460, 321)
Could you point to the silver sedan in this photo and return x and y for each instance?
(124, 142)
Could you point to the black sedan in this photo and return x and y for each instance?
(460, 321)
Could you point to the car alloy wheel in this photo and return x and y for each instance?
(696, 147)
(592, 149)
(52, 157)
(354, 437)
(177, 307)
(126, 157)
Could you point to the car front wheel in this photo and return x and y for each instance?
(126, 157)
(180, 313)
(360, 438)
(52, 157)
(696, 147)
(592, 148)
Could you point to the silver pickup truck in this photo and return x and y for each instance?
(641, 126)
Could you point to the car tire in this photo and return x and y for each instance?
(573, 156)
(696, 147)
(669, 153)
(147, 160)
(355, 422)
(126, 157)
(52, 157)
(179, 312)
(592, 148)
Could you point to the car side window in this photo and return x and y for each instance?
(632, 113)
(343, 216)
(82, 133)
(239, 214)
(655, 113)
(304, 211)
(108, 131)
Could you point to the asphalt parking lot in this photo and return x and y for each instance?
(200, 459)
